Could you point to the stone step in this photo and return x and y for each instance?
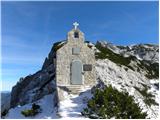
(75, 89)
(75, 92)
(72, 89)
(74, 86)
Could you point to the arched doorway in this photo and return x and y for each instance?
(76, 72)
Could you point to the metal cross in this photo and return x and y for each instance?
(75, 25)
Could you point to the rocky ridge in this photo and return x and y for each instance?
(124, 77)
(148, 52)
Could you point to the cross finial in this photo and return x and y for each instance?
(75, 25)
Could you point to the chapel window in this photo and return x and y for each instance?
(76, 35)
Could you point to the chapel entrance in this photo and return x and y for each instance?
(76, 72)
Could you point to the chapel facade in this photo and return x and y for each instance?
(75, 64)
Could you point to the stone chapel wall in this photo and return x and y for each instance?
(65, 58)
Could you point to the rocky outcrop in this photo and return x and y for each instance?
(130, 57)
(122, 72)
(33, 87)
(148, 52)
(109, 73)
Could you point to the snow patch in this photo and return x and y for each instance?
(73, 105)
(126, 80)
(46, 104)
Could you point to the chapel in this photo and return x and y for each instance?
(75, 64)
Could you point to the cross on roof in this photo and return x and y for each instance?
(75, 25)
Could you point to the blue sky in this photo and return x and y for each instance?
(29, 29)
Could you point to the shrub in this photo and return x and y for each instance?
(151, 68)
(116, 58)
(148, 97)
(31, 112)
(35, 107)
(109, 103)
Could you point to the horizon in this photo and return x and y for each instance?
(29, 29)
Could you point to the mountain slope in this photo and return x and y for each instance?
(148, 52)
(118, 77)
(47, 106)
(149, 68)
(128, 73)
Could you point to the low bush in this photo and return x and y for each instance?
(116, 58)
(110, 103)
(35, 107)
(31, 112)
(152, 69)
(148, 97)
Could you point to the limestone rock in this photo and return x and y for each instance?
(149, 52)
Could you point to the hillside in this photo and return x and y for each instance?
(126, 68)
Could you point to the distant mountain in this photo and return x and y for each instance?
(143, 58)
(148, 52)
(134, 69)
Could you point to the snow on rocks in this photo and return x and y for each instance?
(155, 89)
(120, 77)
(73, 105)
(125, 79)
(140, 51)
(46, 104)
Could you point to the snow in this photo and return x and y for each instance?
(46, 104)
(147, 52)
(73, 105)
(61, 43)
(112, 74)
(138, 57)
(154, 89)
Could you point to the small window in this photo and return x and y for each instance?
(76, 35)
(75, 51)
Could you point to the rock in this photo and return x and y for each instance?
(50, 59)
(94, 116)
(5, 101)
(123, 78)
(148, 52)
(34, 87)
